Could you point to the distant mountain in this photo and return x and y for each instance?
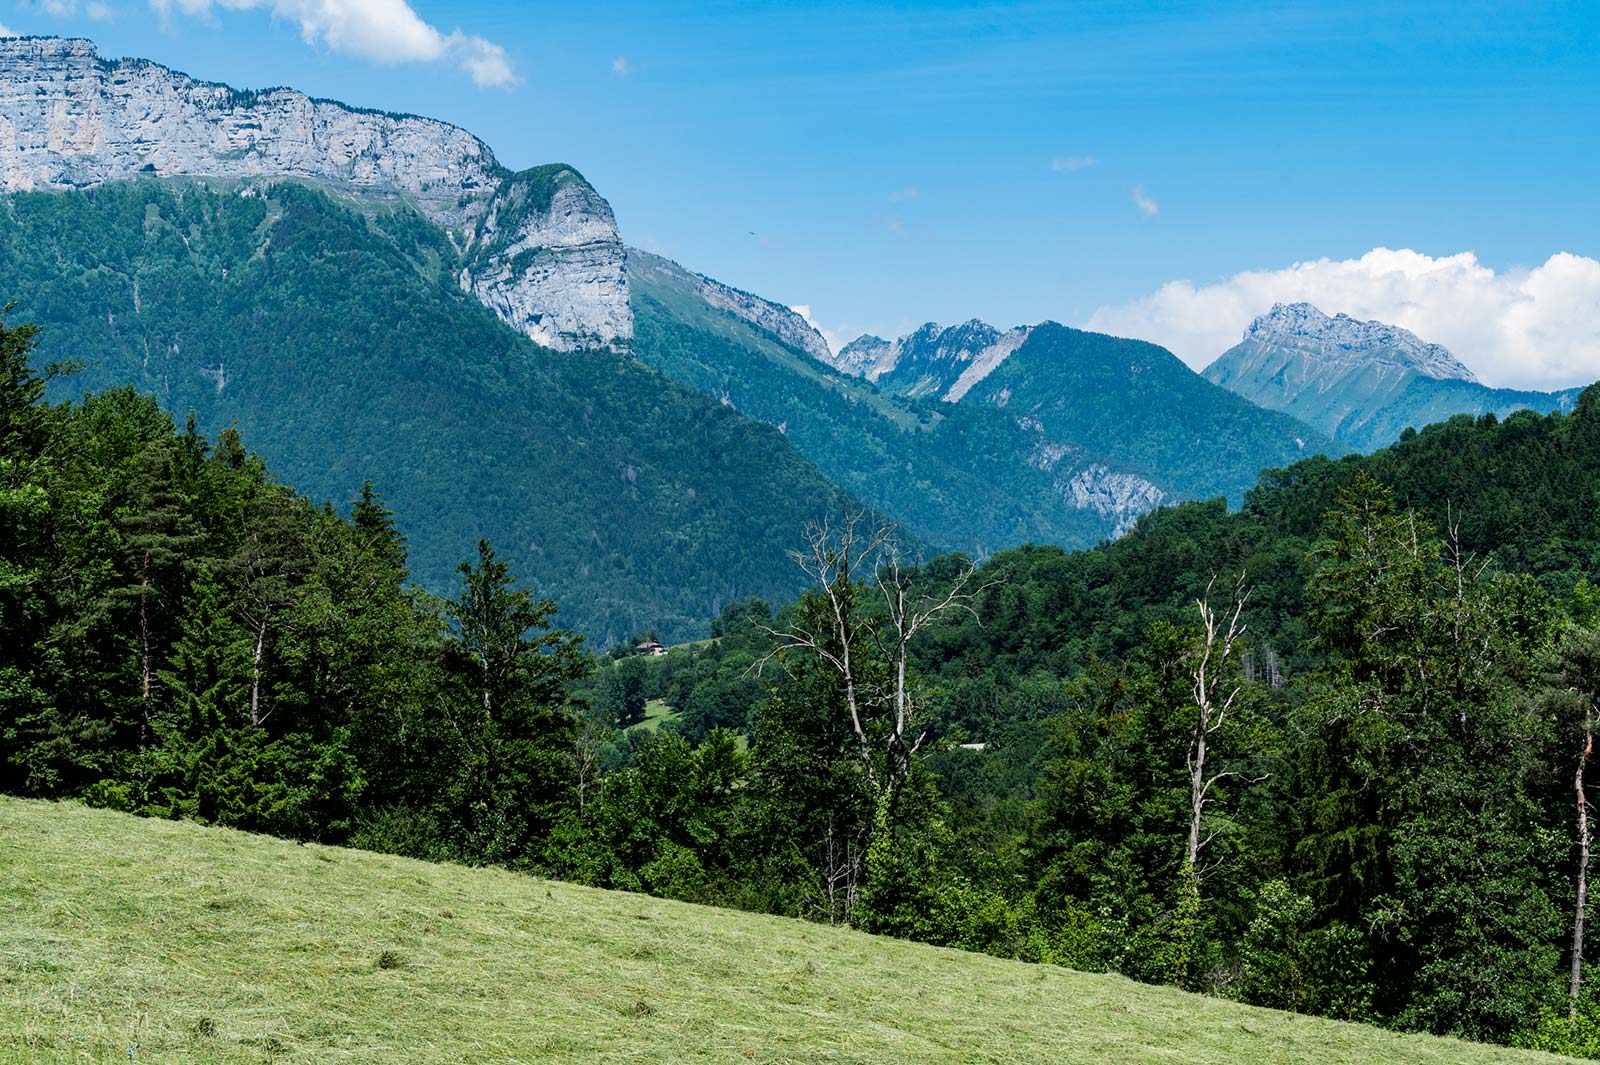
(1108, 408)
(1362, 383)
(934, 362)
(370, 294)
(955, 479)
(1087, 432)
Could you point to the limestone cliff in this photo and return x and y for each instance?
(539, 247)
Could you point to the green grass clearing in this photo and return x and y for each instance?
(656, 713)
(207, 945)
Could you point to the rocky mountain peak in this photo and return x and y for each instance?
(932, 360)
(540, 248)
(1343, 341)
(860, 355)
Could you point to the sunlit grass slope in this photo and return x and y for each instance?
(203, 945)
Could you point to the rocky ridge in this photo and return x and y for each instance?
(784, 324)
(1361, 383)
(932, 361)
(539, 247)
(1343, 342)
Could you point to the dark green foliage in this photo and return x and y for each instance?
(1388, 831)
(343, 349)
(187, 638)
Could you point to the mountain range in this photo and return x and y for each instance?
(369, 293)
(1361, 383)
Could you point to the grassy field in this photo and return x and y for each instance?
(194, 944)
(655, 713)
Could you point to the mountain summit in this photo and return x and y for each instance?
(1343, 342)
(1117, 426)
(538, 247)
(1362, 383)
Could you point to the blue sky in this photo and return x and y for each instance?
(889, 164)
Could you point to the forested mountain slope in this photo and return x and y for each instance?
(957, 478)
(332, 332)
(1067, 442)
(1142, 408)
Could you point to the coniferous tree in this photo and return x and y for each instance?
(514, 728)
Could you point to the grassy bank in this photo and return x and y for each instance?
(206, 945)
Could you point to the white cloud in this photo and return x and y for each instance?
(385, 31)
(1145, 204)
(1068, 164)
(910, 192)
(832, 337)
(1519, 328)
(6, 31)
(94, 9)
(621, 67)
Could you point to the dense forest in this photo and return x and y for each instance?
(332, 331)
(1328, 752)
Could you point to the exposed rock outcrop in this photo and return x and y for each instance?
(783, 323)
(539, 247)
(932, 361)
(1361, 383)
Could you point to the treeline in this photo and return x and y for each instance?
(1327, 753)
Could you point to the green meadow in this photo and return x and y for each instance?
(182, 943)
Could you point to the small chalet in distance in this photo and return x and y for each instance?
(650, 649)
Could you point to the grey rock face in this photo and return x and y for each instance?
(1361, 383)
(780, 321)
(933, 361)
(860, 355)
(1343, 342)
(541, 247)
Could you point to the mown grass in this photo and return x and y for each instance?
(205, 945)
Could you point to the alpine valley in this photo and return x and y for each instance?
(369, 295)
(413, 576)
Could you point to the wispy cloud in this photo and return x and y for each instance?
(94, 9)
(6, 31)
(1070, 164)
(621, 67)
(1536, 328)
(384, 31)
(1145, 204)
(895, 226)
(910, 192)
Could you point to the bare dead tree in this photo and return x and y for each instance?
(835, 557)
(841, 874)
(586, 746)
(1575, 673)
(840, 558)
(1582, 906)
(909, 614)
(1470, 639)
(1213, 697)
